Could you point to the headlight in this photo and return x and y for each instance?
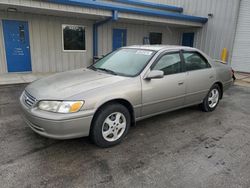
(61, 106)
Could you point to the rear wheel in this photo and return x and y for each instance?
(212, 99)
(110, 125)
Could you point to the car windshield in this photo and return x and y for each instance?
(124, 62)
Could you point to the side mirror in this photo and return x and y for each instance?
(155, 74)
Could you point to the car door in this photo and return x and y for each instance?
(164, 94)
(200, 76)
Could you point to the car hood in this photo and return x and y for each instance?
(61, 86)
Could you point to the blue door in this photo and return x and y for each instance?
(17, 45)
(188, 39)
(119, 38)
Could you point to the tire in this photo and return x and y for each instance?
(110, 125)
(209, 103)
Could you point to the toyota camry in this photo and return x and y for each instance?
(127, 85)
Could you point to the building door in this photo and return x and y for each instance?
(241, 49)
(17, 46)
(119, 38)
(188, 39)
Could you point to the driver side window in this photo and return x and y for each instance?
(169, 64)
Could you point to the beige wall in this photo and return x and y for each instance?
(3, 67)
(46, 43)
(135, 34)
(219, 32)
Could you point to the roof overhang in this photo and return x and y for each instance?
(91, 10)
(151, 5)
(149, 20)
(134, 10)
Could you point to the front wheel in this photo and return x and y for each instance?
(212, 99)
(110, 125)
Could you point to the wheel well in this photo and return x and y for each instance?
(119, 101)
(221, 88)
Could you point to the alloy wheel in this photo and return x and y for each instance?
(114, 126)
(213, 98)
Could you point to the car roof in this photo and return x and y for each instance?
(160, 47)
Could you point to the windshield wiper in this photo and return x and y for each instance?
(102, 69)
(106, 70)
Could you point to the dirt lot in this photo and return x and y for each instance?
(185, 148)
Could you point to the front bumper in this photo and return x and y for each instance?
(73, 127)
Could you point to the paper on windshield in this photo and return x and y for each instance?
(144, 52)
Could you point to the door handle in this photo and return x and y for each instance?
(210, 77)
(180, 83)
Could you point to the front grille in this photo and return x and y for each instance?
(28, 99)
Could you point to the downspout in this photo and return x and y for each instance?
(95, 31)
